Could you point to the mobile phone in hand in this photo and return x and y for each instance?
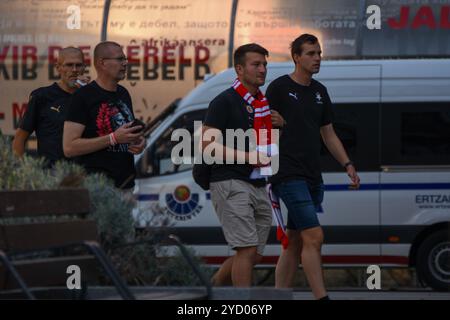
(137, 122)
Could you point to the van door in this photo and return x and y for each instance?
(415, 179)
(351, 218)
(167, 191)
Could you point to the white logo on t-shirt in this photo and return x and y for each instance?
(56, 108)
(318, 98)
(294, 95)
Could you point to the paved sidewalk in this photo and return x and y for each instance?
(352, 294)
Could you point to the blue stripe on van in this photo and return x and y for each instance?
(155, 197)
(415, 186)
(345, 187)
(148, 197)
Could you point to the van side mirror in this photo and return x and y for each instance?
(147, 166)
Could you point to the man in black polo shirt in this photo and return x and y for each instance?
(98, 128)
(47, 108)
(305, 104)
(238, 195)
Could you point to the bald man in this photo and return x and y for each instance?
(98, 128)
(47, 108)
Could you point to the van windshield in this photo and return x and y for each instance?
(156, 122)
(157, 158)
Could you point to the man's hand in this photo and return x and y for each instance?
(258, 159)
(277, 119)
(137, 147)
(127, 134)
(351, 171)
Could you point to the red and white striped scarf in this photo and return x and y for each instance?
(276, 212)
(263, 120)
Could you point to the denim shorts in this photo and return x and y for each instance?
(302, 201)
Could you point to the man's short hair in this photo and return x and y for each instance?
(102, 49)
(239, 54)
(296, 45)
(70, 49)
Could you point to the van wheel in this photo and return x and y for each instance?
(433, 260)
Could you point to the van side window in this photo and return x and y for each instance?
(157, 160)
(356, 125)
(425, 133)
(416, 133)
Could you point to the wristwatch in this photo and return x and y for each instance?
(349, 163)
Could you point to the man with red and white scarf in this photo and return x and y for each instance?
(238, 187)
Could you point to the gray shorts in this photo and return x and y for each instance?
(244, 211)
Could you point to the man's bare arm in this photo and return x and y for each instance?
(238, 156)
(20, 139)
(74, 145)
(334, 145)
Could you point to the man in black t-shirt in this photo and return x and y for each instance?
(239, 198)
(47, 108)
(98, 128)
(305, 104)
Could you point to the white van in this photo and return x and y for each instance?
(393, 117)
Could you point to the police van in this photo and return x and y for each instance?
(393, 117)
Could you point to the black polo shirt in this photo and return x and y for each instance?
(46, 111)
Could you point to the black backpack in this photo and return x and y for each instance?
(202, 175)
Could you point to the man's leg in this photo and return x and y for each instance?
(312, 261)
(288, 261)
(242, 266)
(219, 192)
(223, 276)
